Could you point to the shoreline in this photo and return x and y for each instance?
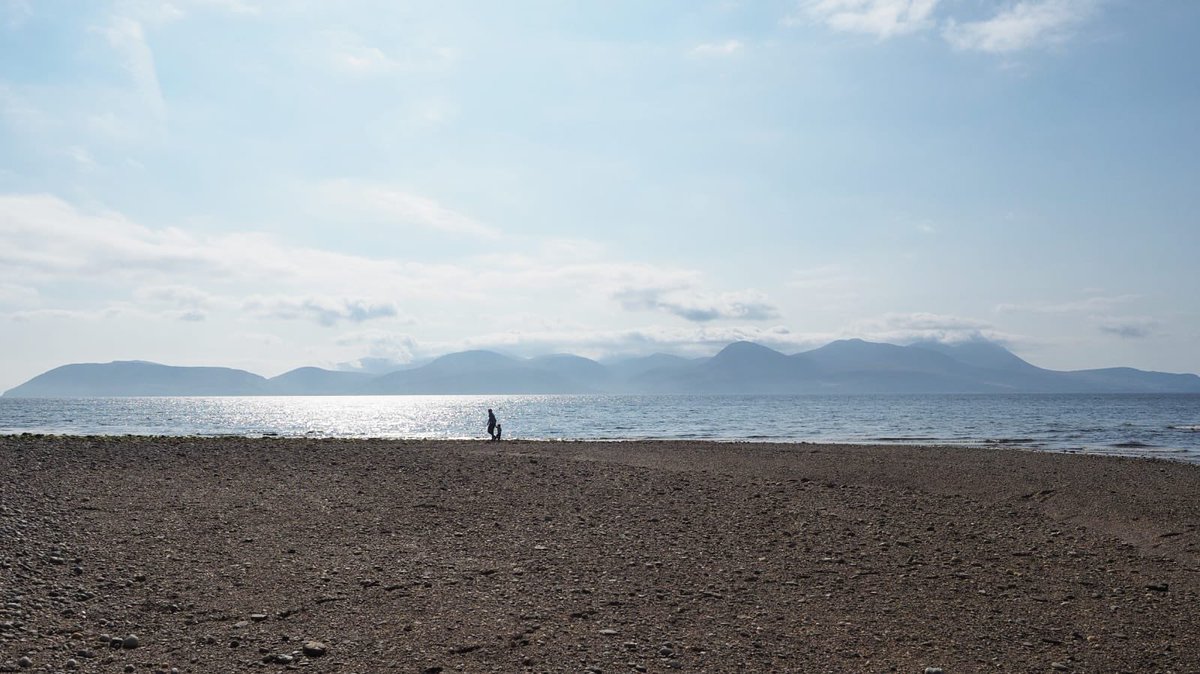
(230, 554)
(1140, 451)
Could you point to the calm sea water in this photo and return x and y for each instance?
(1145, 425)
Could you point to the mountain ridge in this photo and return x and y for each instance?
(851, 366)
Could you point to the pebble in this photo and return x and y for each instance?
(314, 649)
(72, 664)
(131, 641)
(258, 617)
(609, 632)
(24, 662)
(934, 670)
(1058, 666)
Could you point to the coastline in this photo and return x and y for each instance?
(229, 554)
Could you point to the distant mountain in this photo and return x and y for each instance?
(138, 378)
(476, 372)
(316, 381)
(845, 366)
(741, 367)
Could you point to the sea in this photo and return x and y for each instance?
(1151, 425)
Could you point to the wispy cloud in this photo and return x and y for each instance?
(128, 39)
(1128, 327)
(699, 307)
(1095, 303)
(351, 53)
(726, 48)
(15, 294)
(1025, 25)
(325, 311)
(388, 204)
(385, 350)
(902, 328)
(15, 13)
(881, 18)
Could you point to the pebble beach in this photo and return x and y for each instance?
(185, 554)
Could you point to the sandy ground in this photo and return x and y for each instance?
(232, 555)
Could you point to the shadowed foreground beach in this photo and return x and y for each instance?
(231, 554)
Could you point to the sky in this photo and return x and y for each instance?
(268, 184)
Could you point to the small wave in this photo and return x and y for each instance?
(1131, 444)
(1194, 428)
(1010, 441)
(904, 438)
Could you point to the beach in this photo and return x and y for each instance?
(160, 554)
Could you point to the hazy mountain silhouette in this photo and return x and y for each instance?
(741, 367)
(846, 366)
(139, 378)
(475, 372)
(316, 381)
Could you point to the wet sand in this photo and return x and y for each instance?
(231, 554)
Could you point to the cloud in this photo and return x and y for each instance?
(127, 38)
(323, 310)
(726, 48)
(180, 302)
(158, 12)
(387, 204)
(180, 296)
(698, 307)
(13, 294)
(349, 52)
(1131, 327)
(44, 239)
(1086, 305)
(881, 18)
(904, 328)
(386, 351)
(702, 340)
(15, 12)
(1027, 24)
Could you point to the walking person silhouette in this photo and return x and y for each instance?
(491, 424)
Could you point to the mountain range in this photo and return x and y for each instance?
(850, 366)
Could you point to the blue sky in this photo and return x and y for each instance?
(274, 184)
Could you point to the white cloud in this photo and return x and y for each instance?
(394, 206)
(13, 294)
(180, 296)
(128, 39)
(349, 52)
(881, 18)
(697, 306)
(385, 350)
(166, 11)
(904, 328)
(1128, 327)
(1095, 303)
(726, 48)
(44, 239)
(325, 311)
(1027, 24)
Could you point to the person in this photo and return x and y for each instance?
(499, 430)
(491, 424)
